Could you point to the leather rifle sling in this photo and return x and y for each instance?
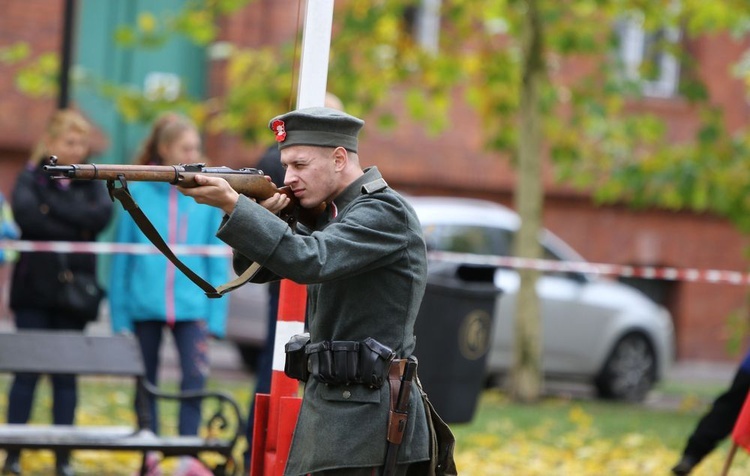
(144, 224)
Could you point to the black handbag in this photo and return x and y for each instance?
(79, 294)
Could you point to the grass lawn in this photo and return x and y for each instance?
(557, 436)
(564, 436)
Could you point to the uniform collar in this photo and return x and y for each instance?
(354, 189)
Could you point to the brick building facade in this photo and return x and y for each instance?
(455, 164)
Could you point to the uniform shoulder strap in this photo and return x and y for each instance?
(376, 185)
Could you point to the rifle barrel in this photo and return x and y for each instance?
(134, 173)
(247, 181)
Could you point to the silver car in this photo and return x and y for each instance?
(594, 329)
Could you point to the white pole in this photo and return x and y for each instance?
(316, 46)
(292, 296)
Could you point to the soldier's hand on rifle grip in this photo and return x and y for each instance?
(277, 202)
(214, 191)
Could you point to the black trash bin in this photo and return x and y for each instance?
(454, 331)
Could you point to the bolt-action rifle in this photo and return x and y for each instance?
(247, 181)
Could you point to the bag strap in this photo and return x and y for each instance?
(122, 194)
(65, 275)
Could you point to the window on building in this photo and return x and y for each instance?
(423, 21)
(646, 56)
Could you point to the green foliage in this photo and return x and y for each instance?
(135, 107)
(14, 53)
(196, 22)
(625, 156)
(40, 77)
(738, 329)
(36, 76)
(259, 88)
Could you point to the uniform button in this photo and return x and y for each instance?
(346, 394)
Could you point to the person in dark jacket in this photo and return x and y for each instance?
(365, 266)
(47, 209)
(718, 422)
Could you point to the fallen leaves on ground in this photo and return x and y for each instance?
(582, 451)
(499, 449)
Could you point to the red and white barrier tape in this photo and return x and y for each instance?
(713, 276)
(108, 248)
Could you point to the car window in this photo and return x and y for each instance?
(483, 240)
(468, 239)
(550, 254)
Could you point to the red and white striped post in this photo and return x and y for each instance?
(276, 413)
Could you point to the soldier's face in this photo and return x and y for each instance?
(311, 173)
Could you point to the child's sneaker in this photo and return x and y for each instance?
(152, 464)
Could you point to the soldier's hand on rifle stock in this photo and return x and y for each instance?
(275, 203)
(213, 191)
(217, 192)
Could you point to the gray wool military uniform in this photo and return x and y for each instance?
(366, 272)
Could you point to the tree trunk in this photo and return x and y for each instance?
(526, 374)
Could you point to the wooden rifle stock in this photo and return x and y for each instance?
(247, 181)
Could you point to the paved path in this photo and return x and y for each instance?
(225, 359)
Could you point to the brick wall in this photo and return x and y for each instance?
(22, 119)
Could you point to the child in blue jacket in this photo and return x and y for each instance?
(147, 293)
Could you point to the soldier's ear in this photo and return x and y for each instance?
(340, 159)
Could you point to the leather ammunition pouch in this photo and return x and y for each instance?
(295, 363)
(338, 362)
(374, 362)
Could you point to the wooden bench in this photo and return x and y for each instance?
(76, 353)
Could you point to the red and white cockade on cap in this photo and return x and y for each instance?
(279, 129)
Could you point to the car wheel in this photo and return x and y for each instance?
(630, 371)
(249, 356)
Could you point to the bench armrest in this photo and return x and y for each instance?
(227, 414)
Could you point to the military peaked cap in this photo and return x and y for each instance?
(317, 126)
